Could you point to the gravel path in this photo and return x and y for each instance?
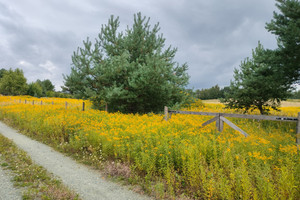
(89, 184)
(7, 190)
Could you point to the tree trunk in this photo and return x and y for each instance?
(261, 110)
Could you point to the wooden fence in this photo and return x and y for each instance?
(66, 104)
(33, 102)
(220, 119)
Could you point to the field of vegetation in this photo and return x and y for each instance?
(176, 158)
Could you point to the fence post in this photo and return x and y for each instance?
(106, 107)
(41, 102)
(32, 102)
(166, 113)
(219, 123)
(52, 103)
(298, 132)
(83, 105)
(66, 105)
(25, 101)
(20, 101)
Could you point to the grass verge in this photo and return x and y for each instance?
(37, 182)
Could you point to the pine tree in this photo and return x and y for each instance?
(255, 85)
(286, 26)
(131, 71)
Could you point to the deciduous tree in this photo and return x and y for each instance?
(13, 82)
(47, 86)
(35, 89)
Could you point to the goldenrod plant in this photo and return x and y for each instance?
(174, 157)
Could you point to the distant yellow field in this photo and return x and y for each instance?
(288, 103)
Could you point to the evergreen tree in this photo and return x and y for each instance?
(131, 71)
(269, 76)
(286, 26)
(254, 85)
(13, 82)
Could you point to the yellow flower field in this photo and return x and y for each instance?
(178, 155)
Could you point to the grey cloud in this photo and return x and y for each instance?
(29, 48)
(213, 37)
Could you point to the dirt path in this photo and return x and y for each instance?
(89, 184)
(7, 190)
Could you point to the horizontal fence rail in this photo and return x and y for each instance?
(220, 119)
(258, 117)
(82, 105)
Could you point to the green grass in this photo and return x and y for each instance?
(36, 181)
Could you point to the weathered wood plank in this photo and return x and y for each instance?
(210, 121)
(232, 125)
(258, 117)
(220, 118)
(261, 117)
(166, 113)
(193, 113)
(221, 125)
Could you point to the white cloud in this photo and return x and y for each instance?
(49, 66)
(25, 64)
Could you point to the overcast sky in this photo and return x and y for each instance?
(212, 36)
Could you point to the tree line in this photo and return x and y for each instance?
(217, 92)
(13, 82)
(214, 92)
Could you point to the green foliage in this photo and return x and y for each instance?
(2, 71)
(254, 85)
(286, 26)
(295, 95)
(47, 87)
(13, 82)
(268, 77)
(214, 92)
(35, 89)
(131, 71)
